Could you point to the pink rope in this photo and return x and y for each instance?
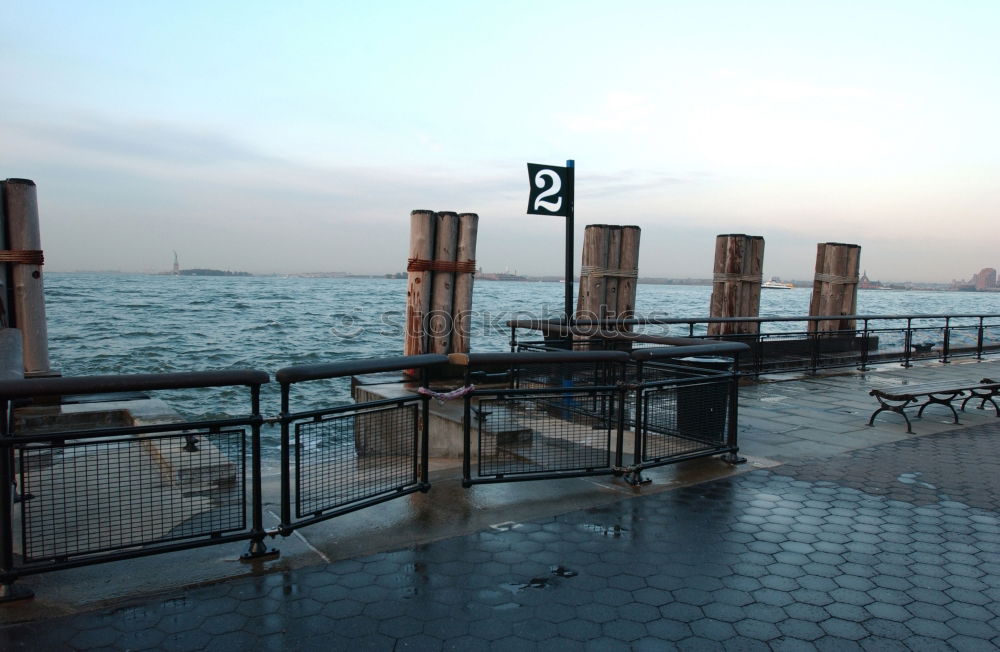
(441, 397)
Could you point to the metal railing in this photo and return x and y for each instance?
(545, 415)
(82, 495)
(786, 344)
(122, 490)
(352, 456)
(561, 413)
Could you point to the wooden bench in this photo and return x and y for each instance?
(896, 399)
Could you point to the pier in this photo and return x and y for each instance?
(609, 482)
(833, 532)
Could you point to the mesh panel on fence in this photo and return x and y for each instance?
(346, 458)
(97, 496)
(684, 418)
(544, 433)
(541, 376)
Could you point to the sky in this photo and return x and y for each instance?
(284, 137)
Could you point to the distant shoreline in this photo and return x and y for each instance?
(646, 280)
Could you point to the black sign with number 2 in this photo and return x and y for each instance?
(551, 190)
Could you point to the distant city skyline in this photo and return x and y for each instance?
(281, 138)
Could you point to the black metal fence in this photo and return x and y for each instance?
(685, 402)
(560, 413)
(352, 456)
(74, 496)
(787, 344)
(547, 414)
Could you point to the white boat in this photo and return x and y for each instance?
(775, 284)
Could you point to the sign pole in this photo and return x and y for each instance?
(569, 244)
(550, 192)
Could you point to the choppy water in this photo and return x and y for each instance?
(110, 324)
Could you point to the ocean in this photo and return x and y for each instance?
(122, 324)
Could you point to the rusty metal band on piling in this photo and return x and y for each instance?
(424, 265)
(22, 256)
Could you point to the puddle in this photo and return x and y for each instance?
(536, 583)
(615, 531)
(562, 571)
(413, 580)
(913, 478)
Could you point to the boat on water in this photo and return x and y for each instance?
(505, 275)
(775, 284)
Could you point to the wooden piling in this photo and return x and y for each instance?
(24, 241)
(627, 284)
(835, 286)
(737, 274)
(608, 273)
(468, 229)
(442, 295)
(612, 281)
(418, 287)
(594, 254)
(6, 302)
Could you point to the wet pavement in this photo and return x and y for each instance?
(862, 538)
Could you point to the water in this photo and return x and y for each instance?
(117, 324)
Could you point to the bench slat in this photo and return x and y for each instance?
(902, 392)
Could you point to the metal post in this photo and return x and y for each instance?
(467, 432)
(814, 346)
(571, 191)
(946, 349)
(758, 355)
(907, 342)
(622, 397)
(286, 490)
(257, 547)
(425, 418)
(732, 430)
(979, 341)
(864, 346)
(639, 440)
(8, 590)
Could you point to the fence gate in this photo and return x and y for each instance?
(345, 458)
(543, 415)
(683, 409)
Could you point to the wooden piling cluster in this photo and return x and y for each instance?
(22, 293)
(608, 274)
(835, 286)
(442, 262)
(736, 279)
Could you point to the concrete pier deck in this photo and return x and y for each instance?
(835, 534)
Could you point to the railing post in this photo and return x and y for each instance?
(980, 340)
(814, 346)
(622, 398)
(908, 342)
(638, 452)
(286, 489)
(758, 354)
(425, 429)
(732, 431)
(946, 348)
(8, 575)
(258, 548)
(864, 345)
(467, 432)
(513, 339)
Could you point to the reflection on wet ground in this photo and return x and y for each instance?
(895, 545)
